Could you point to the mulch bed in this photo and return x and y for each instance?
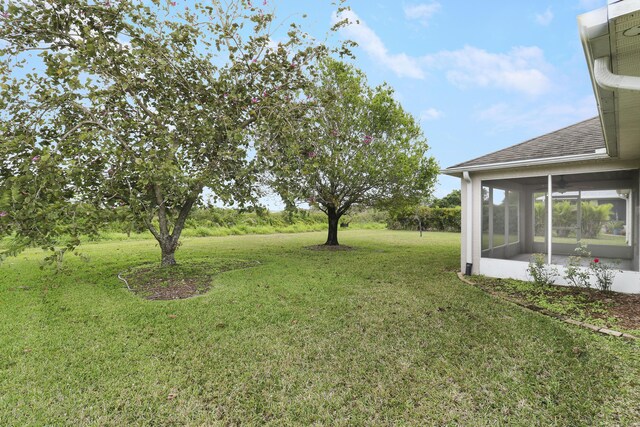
(169, 289)
(155, 282)
(623, 308)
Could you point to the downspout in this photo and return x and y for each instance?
(549, 218)
(609, 81)
(469, 225)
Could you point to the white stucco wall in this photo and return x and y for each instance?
(625, 281)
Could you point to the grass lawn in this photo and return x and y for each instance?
(384, 334)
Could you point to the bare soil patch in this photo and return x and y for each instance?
(330, 248)
(185, 280)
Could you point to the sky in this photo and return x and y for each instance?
(480, 76)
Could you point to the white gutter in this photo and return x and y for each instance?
(531, 162)
(609, 81)
(469, 227)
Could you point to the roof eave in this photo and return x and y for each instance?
(594, 35)
(458, 170)
(598, 36)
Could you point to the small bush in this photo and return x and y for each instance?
(577, 275)
(427, 218)
(604, 274)
(542, 273)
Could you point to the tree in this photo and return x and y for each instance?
(135, 104)
(351, 145)
(451, 200)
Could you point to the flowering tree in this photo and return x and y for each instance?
(349, 145)
(130, 103)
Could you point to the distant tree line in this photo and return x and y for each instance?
(438, 215)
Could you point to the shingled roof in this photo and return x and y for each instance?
(581, 138)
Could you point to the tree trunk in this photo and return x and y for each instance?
(167, 240)
(334, 218)
(168, 254)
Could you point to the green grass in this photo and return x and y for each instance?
(382, 335)
(239, 230)
(602, 239)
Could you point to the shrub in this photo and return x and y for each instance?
(614, 227)
(577, 275)
(593, 217)
(565, 217)
(542, 273)
(435, 219)
(604, 274)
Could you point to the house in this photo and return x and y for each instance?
(549, 195)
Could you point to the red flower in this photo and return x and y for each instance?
(596, 260)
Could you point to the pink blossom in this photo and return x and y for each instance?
(173, 3)
(35, 159)
(254, 60)
(293, 65)
(264, 2)
(3, 213)
(5, 15)
(226, 95)
(107, 3)
(596, 260)
(312, 154)
(368, 139)
(254, 99)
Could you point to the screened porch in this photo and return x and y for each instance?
(555, 214)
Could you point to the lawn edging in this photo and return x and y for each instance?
(535, 308)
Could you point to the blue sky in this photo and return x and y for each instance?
(479, 75)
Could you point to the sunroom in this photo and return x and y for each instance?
(575, 189)
(551, 195)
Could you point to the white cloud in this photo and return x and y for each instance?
(430, 114)
(358, 31)
(421, 12)
(545, 18)
(542, 119)
(523, 69)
